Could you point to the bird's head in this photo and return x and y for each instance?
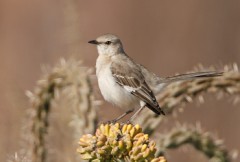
(108, 44)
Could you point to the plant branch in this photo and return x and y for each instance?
(202, 141)
(183, 92)
(67, 74)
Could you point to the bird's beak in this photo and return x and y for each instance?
(93, 42)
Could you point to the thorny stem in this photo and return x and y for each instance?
(202, 141)
(65, 74)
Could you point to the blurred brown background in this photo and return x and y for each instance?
(166, 36)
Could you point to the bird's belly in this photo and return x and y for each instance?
(115, 94)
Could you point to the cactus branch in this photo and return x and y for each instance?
(202, 141)
(65, 74)
(182, 92)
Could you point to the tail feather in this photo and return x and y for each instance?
(190, 76)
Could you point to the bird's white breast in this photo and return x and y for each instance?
(112, 91)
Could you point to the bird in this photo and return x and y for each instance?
(130, 85)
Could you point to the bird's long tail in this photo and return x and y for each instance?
(190, 76)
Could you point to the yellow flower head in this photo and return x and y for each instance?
(114, 142)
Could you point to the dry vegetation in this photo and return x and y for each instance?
(64, 98)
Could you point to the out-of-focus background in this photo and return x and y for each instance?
(165, 36)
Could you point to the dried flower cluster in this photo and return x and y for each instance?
(116, 142)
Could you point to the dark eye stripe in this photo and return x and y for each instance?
(108, 42)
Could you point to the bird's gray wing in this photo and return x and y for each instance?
(131, 79)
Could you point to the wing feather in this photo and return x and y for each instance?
(133, 81)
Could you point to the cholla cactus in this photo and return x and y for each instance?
(73, 79)
(118, 142)
(180, 93)
(202, 141)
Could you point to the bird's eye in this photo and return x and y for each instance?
(108, 42)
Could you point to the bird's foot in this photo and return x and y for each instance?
(129, 122)
(108, 122)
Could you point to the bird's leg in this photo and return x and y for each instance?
(121, 116)
(136, 113)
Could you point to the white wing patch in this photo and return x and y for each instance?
(130, 89)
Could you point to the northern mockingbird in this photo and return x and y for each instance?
(127, 84)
